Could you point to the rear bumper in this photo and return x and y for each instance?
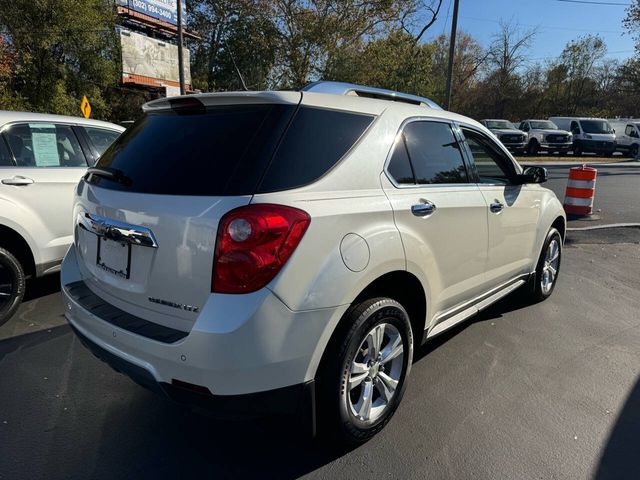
(239, 345)
(294, 399)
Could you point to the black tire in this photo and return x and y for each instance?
(633, 151)
(536, 292)
(336, 418)
(533, 148)
(12, 285)
(577, 150)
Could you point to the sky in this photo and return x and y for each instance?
(557, 23)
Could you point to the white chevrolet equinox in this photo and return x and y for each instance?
(286, 252)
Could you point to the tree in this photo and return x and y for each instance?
(61, 50)
(505, 56)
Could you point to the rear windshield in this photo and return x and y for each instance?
(232, 150)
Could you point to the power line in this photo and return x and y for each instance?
(596, 3)
(544, 27)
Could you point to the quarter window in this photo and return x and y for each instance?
(44, 145)
(101, 138)
(490, 164)
(399, 165)
(629, 131)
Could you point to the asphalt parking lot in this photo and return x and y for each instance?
(522, 391)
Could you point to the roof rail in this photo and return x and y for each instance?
(341, 88)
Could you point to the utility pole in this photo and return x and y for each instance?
(180, 49)
(452, 50)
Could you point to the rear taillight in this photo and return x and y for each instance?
(253, 244)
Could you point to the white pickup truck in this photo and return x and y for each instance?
(545, 135)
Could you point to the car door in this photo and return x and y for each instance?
(48, 162)
(514, 209)
(441, 215)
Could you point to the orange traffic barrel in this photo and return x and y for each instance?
(581, 190)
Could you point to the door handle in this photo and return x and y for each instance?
(496, 206)
(17, 180)
(423, 209)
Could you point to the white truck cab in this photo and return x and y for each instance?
(590, 135)
(511, 137)
(545, 135)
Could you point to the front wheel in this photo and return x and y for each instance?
(548, 266)
(12, 285)
(533, 148)
(363, 375)
(633, 151)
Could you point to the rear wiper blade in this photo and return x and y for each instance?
(109, 173)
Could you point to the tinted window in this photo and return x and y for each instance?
(101, 138)
(491, 165)
(434, 153)
(399, 165)
(44, 145)
(5, 156)
(217, 151)
(595, 126)
(316, 141)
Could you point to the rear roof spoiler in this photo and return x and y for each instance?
(341, 88)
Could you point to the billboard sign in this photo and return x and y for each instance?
(165, 10)
(148, 61)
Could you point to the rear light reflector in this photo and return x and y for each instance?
(253, 244)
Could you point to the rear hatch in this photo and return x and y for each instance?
(146, 226)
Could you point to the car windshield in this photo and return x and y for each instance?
(499, 124)
(595, 126)
(543, 125)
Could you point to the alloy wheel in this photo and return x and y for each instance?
(550, 266)
(375, 373)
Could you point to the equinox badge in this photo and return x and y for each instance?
(179, 306)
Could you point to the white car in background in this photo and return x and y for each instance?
(545, 135)
(286, 252)
(42, 157)
(590, 135)
(515, 140)
(628, 137)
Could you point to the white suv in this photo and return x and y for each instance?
(42, 157)
(281, 252)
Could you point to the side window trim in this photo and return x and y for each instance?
(400, 134)
(90, 155)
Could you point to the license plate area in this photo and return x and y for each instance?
(114, 257)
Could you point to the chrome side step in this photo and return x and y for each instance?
(477, 305)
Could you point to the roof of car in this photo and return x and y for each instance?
(7, 116)
(354, 103)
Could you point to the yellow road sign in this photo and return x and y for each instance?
(85, 107)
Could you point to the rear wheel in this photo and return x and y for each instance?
(12, 285)
(362, 379)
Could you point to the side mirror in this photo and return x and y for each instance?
(532, 175)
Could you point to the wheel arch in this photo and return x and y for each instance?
(16, 244)
(399, 285)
